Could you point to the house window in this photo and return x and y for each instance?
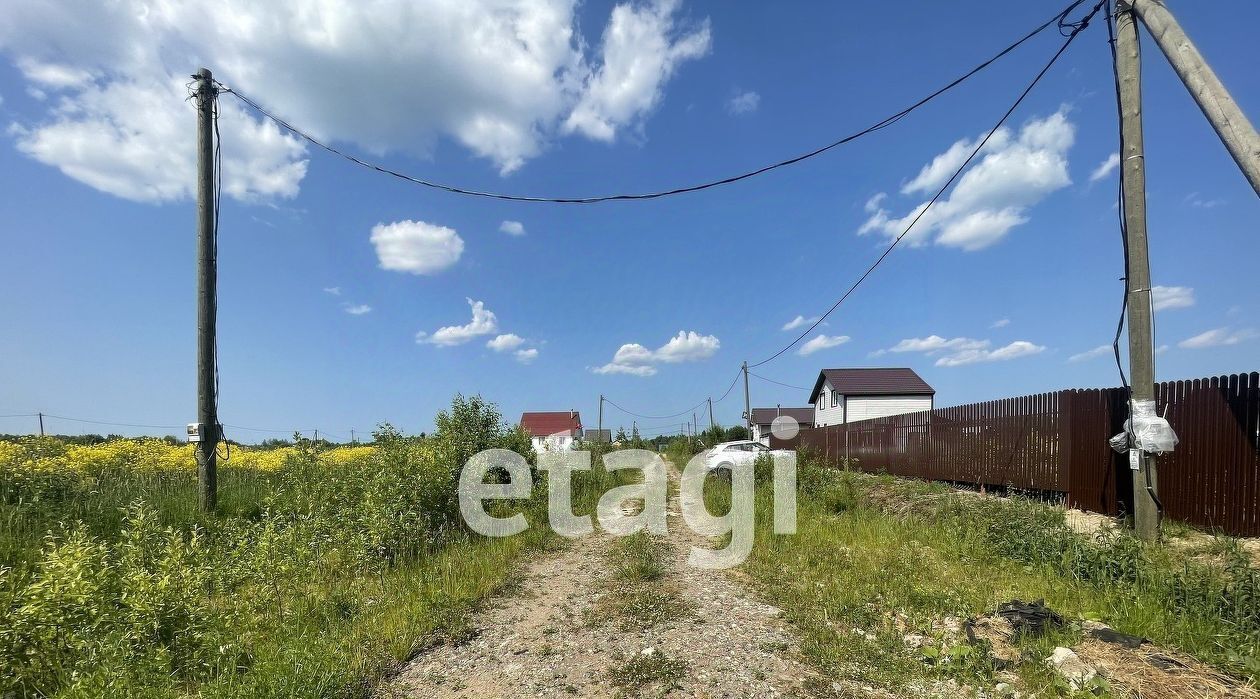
(835, 398)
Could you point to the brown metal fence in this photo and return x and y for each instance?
(1057, 443)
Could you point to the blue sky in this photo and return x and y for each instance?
(1017, 277)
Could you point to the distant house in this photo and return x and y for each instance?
(763, 418)
(552, 431)
(849, 395)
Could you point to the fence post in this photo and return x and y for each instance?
(1063, 430)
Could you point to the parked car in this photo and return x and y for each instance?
(729, 454)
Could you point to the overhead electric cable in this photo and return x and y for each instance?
(1058, 20)
(778, 383)
(1078, 27)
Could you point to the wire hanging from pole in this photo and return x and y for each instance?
(886, 121)
(1079, 26)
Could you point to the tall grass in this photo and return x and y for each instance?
(322, 571)
(876, 558)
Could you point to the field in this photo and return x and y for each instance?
(322, 571)
(878, 560)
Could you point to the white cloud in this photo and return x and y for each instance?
(872, 205)
(1105, 168)
(416, 247)
(744, 102)
(635, 359)
(334, 290)
(935, 343)
(1012, 174)
(965, 350)
(483, 322)
(512, 228)
(1000, 323)
(640, 50)
(1198, 202)
(1018, 348)
(687, 346)
(1091, 354)
(821, 342)
(1165, 297)
(357, 310)
(503, 343)
(799, 321)
(1218, 337)
(525, 356)
(501, 77)
(122, 138)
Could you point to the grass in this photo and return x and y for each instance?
(321, 573)
(876, 559)
(644, 669)
(639, 594)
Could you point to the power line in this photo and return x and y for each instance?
(887, 121)
(654, 417)
(114, 424)
(1078, 27)
(779, 383)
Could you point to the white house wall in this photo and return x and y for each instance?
(867, 407)
(824, 412)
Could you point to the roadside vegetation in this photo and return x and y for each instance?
(883, 573)
(324, 569)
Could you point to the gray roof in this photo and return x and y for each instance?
(764, 416)
(884, 381)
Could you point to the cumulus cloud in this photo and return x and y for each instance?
(1012, 173)
(1000, 323)
(501, 78)
(744, 102)
(1218, 337)
(637, 360)
(1165, 297)
(416, 247)
(357, 309)
(1105, 168)
(506, 342)
(483, 322)
(334, 290)
(1098, 351)
(525, 356)
(640, 50)
(821, 342)
(512, 228)
(799, 321)
(959, 351)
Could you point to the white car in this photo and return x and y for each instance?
(729, 454)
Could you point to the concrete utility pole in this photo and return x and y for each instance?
(710, 412)
(207, 273)
(747, 405)
(1231, 125)
(600, 424)
(41, 424)
(1138, 282)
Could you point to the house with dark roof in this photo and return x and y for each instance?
(552, 431)
(849, 395)
(763, 419)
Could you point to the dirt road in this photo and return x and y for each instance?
(573, 628)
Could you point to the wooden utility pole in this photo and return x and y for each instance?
(1138, 278)
(207, 273)
(747, 404)
(600, 428)
(710, 412)
(1231, 125)
(41, 424)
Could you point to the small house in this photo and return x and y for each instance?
(763, 419)
(552, 431)
(848, 395)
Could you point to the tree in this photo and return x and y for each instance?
(736, 432)
(621, 436)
